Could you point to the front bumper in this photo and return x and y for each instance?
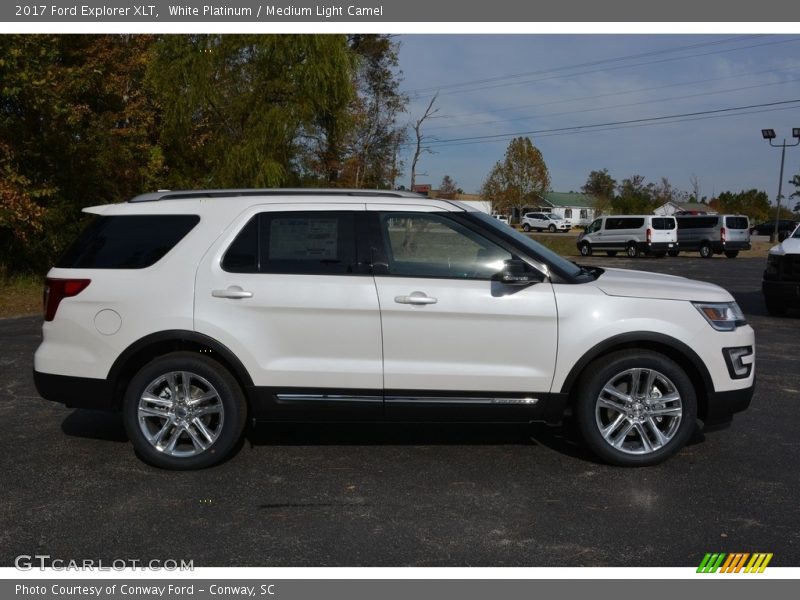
(785, 290)
(75, 392)
(721, 406)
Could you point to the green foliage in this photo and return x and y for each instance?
(635, 197)
(753, 203)
(519, 178)
(233, 106)
(600, 184)
(88, 120)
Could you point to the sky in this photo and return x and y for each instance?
(511, 85)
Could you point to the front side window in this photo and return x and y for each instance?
(595, 226)
(302, 242)
(430, 245)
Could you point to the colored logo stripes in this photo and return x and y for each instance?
(735, 562)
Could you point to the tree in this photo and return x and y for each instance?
(634, 196)
(600, 184)
(753, 203)
(240, 110)
(517, 180)
(420, 148)
(448, 188)
(375, 136)
(694, 182)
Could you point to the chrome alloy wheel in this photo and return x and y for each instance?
(638, 411)
(180, 414)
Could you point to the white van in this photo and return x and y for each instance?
(633, 234)
(714, 234)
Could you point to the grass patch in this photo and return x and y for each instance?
(20, 295)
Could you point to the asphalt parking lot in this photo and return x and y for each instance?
(433, 495)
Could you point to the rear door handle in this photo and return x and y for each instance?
(234, 292)
(415, 298)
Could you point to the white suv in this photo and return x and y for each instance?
(541, 221)
(195, 312)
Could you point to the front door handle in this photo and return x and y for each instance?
(233, 292)
(415, 298)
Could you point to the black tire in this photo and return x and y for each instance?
(611, 252)
(219, 404)
(776, 307)
(585, 249)
(526, 228)
(632, 250)
(552, 229)
(673, 253)
(706, 251)
(659, 254)
(731, 253)
(637, 420)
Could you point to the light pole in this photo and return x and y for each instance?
(769, 134)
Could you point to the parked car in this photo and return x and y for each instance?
(781, 283)
(768, 227)
(714, 234)
(632, 234)
(542, 221)
(502, 219)
(196, 312)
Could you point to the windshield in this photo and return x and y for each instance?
(556, 261)
(796, 234)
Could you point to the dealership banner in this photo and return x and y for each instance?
(405, 589)
(411, 11)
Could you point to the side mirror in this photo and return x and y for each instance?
(517, 272)
(782, 235)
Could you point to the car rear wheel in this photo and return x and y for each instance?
(659, 254)
(586, 249)
(183, 411)
(632, 251)
(706, 251)
(673, 253)
(635, 408)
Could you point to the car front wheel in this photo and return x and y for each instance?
(586, 249)
(552, 229)
(183, 411)
(526, 228)
(635, 408)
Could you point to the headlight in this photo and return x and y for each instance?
(722, 316)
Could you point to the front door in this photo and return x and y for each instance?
(456, 344)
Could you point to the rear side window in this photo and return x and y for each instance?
(309, 243)
(736, 222)
(663, 223)
(126, 241)
(697, 222)
(624, 223)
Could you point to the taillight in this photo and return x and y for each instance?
(55, 290)
(722, 234)
(649, 235)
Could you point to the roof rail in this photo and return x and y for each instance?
(230, 193)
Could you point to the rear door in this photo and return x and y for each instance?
(287, 293)
(737, 229)
(457, 345)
